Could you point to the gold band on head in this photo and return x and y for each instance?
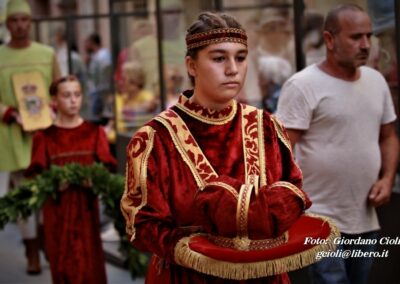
(216, 36)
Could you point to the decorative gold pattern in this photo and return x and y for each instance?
(292, 187)
(138, 182)
(187, 147)
(216, 36)
(251, 141)
(187, 257)
(247, 244)
(208, 116)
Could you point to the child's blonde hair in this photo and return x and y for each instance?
(134, 70)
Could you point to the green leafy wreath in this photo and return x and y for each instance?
(31, 194)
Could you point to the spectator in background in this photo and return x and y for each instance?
(383, 25)
(21, 55)
(273, 72)
(144, 49)
(275, 39)
(78, 66)
(173, 84)
(313, 41)
(340, 116)
(99, 72)
(135, 105)
(141, 28)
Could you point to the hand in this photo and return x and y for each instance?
(63, 186)
(380, 192)
(17, 118)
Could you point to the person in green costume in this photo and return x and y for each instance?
(20, 55)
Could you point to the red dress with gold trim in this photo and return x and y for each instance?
(184, 152)
(71, 223)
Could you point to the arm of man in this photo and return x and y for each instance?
(294, 136)
(389, 146)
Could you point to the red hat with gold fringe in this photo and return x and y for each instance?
(241, 258)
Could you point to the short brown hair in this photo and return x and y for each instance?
(54, 85)
(331, 23)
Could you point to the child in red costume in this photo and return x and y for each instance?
(71, 223)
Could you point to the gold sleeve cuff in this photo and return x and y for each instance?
(291, 187)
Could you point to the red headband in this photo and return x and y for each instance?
(216, 36)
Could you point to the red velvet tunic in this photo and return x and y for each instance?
(159, 202)
(71, 224)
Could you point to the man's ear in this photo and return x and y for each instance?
(328, 39)
(190, 66)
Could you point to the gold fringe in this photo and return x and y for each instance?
(243, 271)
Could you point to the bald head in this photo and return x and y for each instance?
(332, 23)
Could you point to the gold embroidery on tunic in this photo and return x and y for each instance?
(292, 187)
(139, 188)
(209, 120)
(227, 187)
(199, 166)
(261, 149)
(279, 130)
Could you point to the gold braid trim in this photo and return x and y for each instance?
(140, 178)
(242, 271)
(208, 120)
(291, 187)
(285, 140)
(227, 187)
(242, 213)
(216, 36)
(281, 134)
(261, 149)
(71, 154)
(253, 244)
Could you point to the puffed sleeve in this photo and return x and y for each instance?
(103, 150)
(39, 158)
(285, 197)
(149, 222)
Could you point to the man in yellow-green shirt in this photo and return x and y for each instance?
(20, 55)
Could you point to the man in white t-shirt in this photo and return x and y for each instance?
(340, 116)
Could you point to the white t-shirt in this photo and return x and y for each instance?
(339, 152)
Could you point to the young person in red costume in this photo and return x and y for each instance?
(187, 167)
(71, 224)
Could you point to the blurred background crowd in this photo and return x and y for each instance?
(129, 55)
